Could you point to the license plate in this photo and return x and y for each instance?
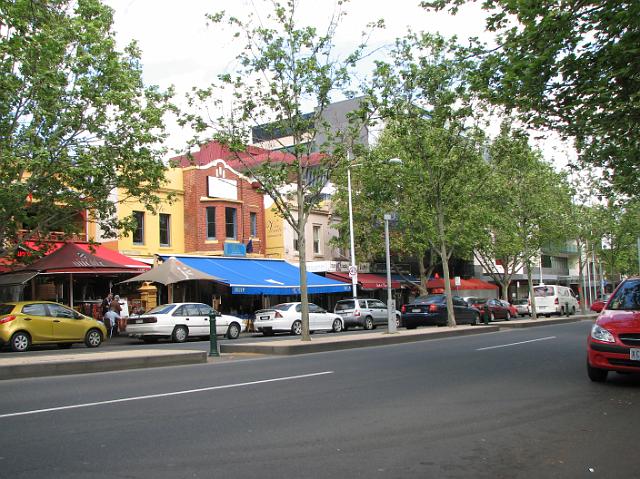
(264, 317)
(139, 321)
(634, 354)
(415, 310)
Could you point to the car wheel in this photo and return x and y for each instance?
(180, 334)
(398, 321)
(234, 331)
(597, 375)
(65, 345)
(296, 328)
(337, 326)
(508, 315)
(93, 338)
(20, 342)
(368, 323)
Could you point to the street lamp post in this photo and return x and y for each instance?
(391, 313)
(353, 271)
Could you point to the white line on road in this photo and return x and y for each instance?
(515, 344)
(153, 396)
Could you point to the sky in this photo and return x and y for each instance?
(180, 49)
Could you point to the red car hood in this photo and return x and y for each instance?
(620, 321)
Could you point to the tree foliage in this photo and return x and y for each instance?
(424, 99)
(528, 208)
(76, 121)
(287, 76)
(570, 65)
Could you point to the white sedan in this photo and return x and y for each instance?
(178, 321)
(287, 317)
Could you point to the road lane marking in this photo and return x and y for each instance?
(515, 344)
(153, 396)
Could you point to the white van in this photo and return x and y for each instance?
(552, 299)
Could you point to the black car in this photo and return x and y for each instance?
(431, 310)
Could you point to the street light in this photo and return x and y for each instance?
(391, 310)
(353, 270)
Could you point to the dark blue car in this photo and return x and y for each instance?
(431, 310)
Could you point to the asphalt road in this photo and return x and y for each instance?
(514, 404)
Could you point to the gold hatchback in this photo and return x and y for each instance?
(25, 323)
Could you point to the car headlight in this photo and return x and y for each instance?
(601, 334)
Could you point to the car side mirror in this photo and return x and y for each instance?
(77, 316)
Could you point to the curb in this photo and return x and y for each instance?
(97, 362)
(295, 347)
(532, 323)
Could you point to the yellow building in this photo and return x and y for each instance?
(159, 233)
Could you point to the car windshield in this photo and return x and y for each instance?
(282, 307)
(627, 297)
(162, 309)
(6, 308)
(344, 305)
(520, 301)
(428, 299)
(542, 291)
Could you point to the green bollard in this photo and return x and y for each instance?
(485, 315)
(213, 337)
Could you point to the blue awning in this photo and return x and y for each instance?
(260, 276)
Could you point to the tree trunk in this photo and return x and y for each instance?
(451, 317)
(302, 252)
(423, 275)
(583, 303)
(534, 315)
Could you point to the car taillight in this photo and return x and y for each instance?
(6, 319)
(557, 301)
(403, 309)
(356, 312)
(278, 314)
(433, 308)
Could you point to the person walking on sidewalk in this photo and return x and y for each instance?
(111, 322)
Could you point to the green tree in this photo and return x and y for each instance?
(528, 207)
(76, 121)
(425, 101)
(284, 71)
(570, 65)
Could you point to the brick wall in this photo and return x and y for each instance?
(196, 201)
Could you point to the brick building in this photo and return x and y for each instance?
(223, 209)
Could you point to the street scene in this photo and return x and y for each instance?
(319, 239)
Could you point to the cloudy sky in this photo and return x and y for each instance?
(180, 49)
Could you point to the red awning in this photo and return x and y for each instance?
(366, 281)
(465, 284)
(108, 256)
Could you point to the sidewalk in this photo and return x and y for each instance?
(90, 361)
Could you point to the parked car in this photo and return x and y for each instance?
(523, 308)
(25, 323)
(598, 304)
(431, 310)
(492, 309)
(287, 317)
(614, 341)
(366, 313)
(552, 299)
(178, 321)
(512, 309)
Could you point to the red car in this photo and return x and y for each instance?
(614, 342)
(493, 309)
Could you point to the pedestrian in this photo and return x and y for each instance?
(116, 307)
(111, 322)
(106, 303)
